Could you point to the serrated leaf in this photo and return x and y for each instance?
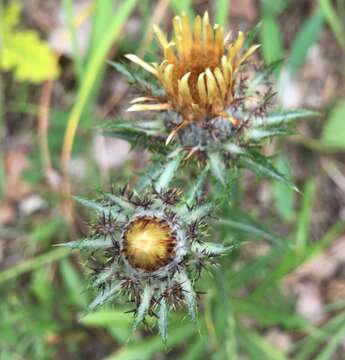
(263, 75)
(138, 135)
(196, 213)
(217, 166)
(99, 208)
(333, 134)
(260, 134)
(149, 176)
(163, 319)
(104, 275)
(138, 77)
(106, 295)
(189, 294)
(209, 248)
(88, 244)
(144, 306)
(260, 165)
(283, 117)
(93, 205)
(119, 201)
(122, 69)
(196, 190)
(168, 172)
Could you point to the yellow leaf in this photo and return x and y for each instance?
(10, 16)
(30, 58)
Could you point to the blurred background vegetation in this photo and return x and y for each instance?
(280, 295)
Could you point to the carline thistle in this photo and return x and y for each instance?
(149, 249)
(212, 102)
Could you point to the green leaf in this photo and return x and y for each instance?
(262, 75)
(163, 319)
(146, 350)
(107, 317)
(248, 225)
(257, 347)
(30, 58)
(104, 275)
(189, 294)
(120, 201)
(333, 134)
(335, 341)
(195, 214)
(310, 345)
(88, 244)
(195, 191)
(251, 36)
(168, 172)
(304, 217)
(99, 208)
(217, 165)
(222, 12)
(263, 167)
(196, 350)
(283, 117)
(122, 69)
(334, 21)
(284, 197)
(270, 315)
(181, 7)
(271, 39)
(139, 135)
(144, 306)
(106, 295)
(92, 69)
(260, 134)
(306, 37)
(74, 284)
(210, 248)
(34, 263)
(42, 286)
(151, 173)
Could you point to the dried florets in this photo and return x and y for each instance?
(199, 72)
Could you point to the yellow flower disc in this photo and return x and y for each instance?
(149, 243)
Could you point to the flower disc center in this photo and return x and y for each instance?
(149, 243)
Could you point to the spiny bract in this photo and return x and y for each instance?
(149, 248)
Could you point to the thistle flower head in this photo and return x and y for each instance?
(215, 104)
(149, 248)
(198, 71)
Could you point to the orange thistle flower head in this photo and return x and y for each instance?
(198, 72)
